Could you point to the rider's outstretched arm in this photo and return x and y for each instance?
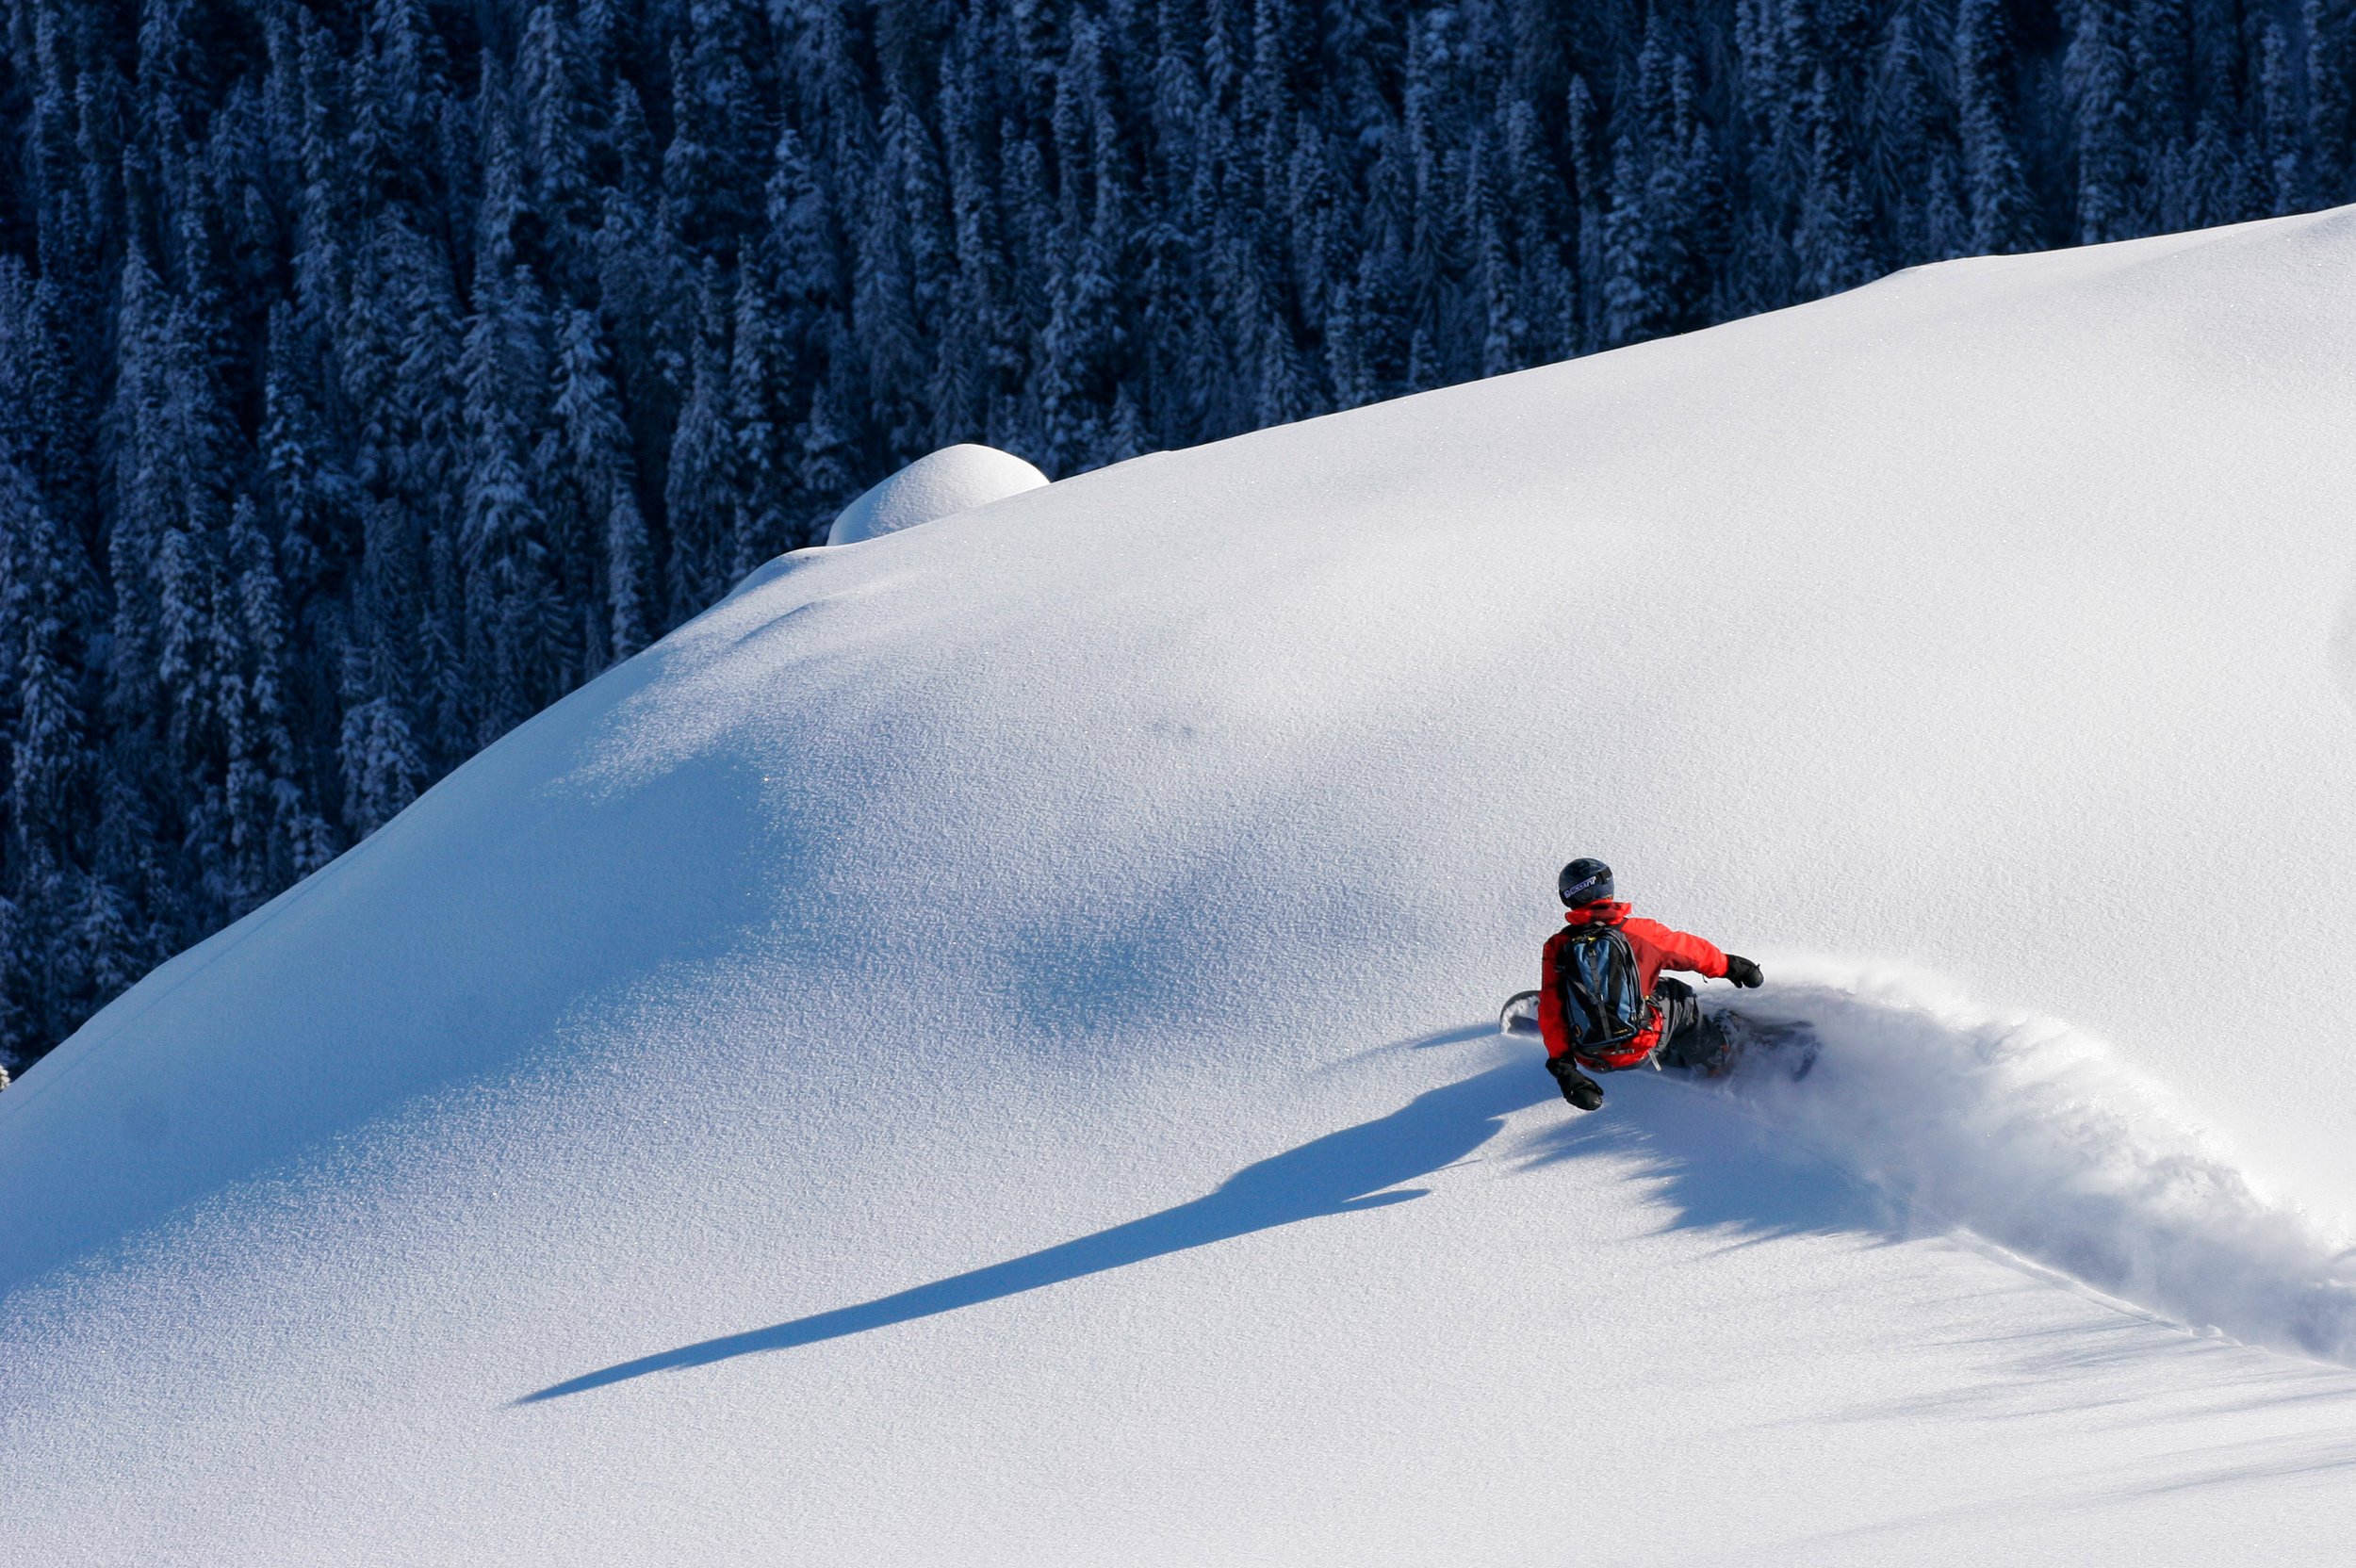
(1697, 955)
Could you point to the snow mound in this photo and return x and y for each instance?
(940, 484)
(2034, 1135)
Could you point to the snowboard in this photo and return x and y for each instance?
(1737, 1037)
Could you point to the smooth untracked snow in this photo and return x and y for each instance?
(980, 1049)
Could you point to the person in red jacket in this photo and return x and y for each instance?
(1667, 1021)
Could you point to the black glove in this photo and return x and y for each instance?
(1742, 971)
(1579, 1089)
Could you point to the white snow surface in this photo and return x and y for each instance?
(940, 484)
(980, 1049)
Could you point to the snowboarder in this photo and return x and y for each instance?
(1602, 1003)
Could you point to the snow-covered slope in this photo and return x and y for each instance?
(978, 1049)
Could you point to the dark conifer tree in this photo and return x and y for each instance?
(2003, 217)
(2280, 141)
(2098, 71)
(2331, 127)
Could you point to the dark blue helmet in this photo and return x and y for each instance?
(1583, 881)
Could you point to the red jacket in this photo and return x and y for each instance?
(1655, 947)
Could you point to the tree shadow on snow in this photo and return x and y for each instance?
(1681, 1141)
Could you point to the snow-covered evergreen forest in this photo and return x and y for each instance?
(372, 374)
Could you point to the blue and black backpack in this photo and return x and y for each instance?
(1603, 998)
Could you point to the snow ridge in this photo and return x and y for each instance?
(2033, 1136)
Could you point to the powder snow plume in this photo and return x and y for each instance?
(2033, 1136)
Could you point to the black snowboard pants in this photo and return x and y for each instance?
(1686, 1039)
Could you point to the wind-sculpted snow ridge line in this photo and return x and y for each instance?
(2031, 1134)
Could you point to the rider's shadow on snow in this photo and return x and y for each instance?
(1716, 1169)
(1358, 1167)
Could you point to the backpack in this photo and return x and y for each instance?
(1603, 999)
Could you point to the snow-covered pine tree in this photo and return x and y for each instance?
(1913, 171)
(2098, 71)
(2330, 127)
(698, 489)
(1997, 188)
(2280, 144)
